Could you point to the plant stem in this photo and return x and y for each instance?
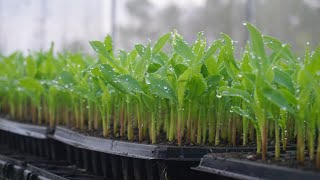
(300, 143)
(189, 120)
(277, 139)
(179, 128)
(211, 120)
(96, 116)
(153, 128)
(217, 136)
(318, 150)
(140, 124)
(199, 126)
(172, 122)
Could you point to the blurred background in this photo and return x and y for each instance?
(70, 24)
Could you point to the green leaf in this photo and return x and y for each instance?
(257, 45)
(212, 49)
(141, 65)
(212, 82)
(160, 43)
(160, 87)
(31, 67)
(67, 78)
(148, 101)
(196, 86)
(106, 72)
(313, 65)
(140, 49)
(228, 91)
(282, 78)
(129, 83)
(291, 98)
(180, 69)
(31, 84)
(100, 48)
(108, 43)
(241, 112)
(212, 66)
(183, 80)
(182, 48)
(276, 45)
(227, 64)
(276, 97)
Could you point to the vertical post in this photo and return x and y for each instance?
(113, 20)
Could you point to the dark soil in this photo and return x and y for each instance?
(161, 139)
(287, 159)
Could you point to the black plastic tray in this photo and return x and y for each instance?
(139, 150)
(115, 159)
(243, 169)
(16, 165)
(34, 131)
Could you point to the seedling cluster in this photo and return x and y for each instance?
(197, 94)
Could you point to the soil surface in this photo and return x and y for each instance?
(161, 139)
(287, 159)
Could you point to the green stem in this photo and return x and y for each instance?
(211, 126)
(172, 122)
(217, 136)
(277, 139)
(318, 150)
(153, 128)
(189, 120)
(179, 128)
(199, 126)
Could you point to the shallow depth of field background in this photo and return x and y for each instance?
(70, 24)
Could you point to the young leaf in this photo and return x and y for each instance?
(182, 48)
(197, 86)
(129, 83)
(241, 112)
(283, 79)
(276, 97)
(100, 48)
(257, 45)
(160, 87)
(160, 43)
(212, 49)
(31, 67)
(228, 91)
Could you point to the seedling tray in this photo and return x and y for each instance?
(34, 131)
(26, 138)
(16, 165)
(128, 160)
(244, 169)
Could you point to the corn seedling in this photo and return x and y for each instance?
(197, 94)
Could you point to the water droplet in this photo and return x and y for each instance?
(219, 95)
(165, 87)
(244, 23)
